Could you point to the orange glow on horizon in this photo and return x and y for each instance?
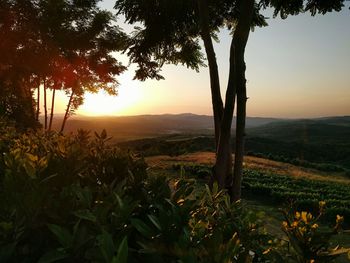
(127, 100)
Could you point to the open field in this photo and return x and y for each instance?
(255, 163)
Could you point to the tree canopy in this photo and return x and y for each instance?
(67, 44)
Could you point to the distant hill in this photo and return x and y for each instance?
(321, 130)
(321, 140)
(322, 143)
(132, 127)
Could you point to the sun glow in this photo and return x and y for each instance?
(103, 104)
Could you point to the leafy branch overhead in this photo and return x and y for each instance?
(169, 31)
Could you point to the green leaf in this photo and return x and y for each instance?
(7, 251)
(63, 236)
(53, 255)
(106, 246)
(209, 194)
(145, 230)
(155, 221)
(85, 214)
(120, 201)
(122, 254)
(85, 196)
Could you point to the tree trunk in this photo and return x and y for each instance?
(223, 162)
(38, 103)
(223, 166)
(45, 104)
(240, 38)
(217, 103)
(67, 111)
(52, 108)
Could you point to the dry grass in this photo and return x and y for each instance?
(255, 163)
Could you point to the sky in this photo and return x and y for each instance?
(296, 68)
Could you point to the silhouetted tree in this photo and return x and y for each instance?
(17, 48)
(169, 33)
(57, 45)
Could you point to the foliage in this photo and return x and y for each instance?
(77, 198)
(64, 44)
(309, 241)
(304, 193)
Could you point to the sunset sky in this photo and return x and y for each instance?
(298, 67)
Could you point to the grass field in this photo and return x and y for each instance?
(255, 163)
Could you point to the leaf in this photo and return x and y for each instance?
(30, 169)
(122, 254)
(85, 214)
(120, 201)
(208, 192)
(103, 134)
(106, 246)
(155, 221)
(7, 251)
(53, 255)
(85, 196)
(63, 236)
(339, 251)
(43, 162)
(145, 230)
(61, 147)
(32, 157)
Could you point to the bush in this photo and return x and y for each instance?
(309, 241)
(78, 199)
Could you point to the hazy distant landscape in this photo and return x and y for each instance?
(320, 140)
(124, 128)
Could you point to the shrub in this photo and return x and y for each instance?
(78, 199)
(309, 241)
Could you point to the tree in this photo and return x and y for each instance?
(17, 48)
(59, 45)
(169, 33)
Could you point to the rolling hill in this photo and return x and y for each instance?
(133, 127)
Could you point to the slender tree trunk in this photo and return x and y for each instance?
(240, 38)
(67, 111)
(223, 162)
(45, 103)
(52, 107)
(217, 103)
(223, 167)
(38, 103)
(240, 141)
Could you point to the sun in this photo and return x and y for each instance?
(96, 104)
